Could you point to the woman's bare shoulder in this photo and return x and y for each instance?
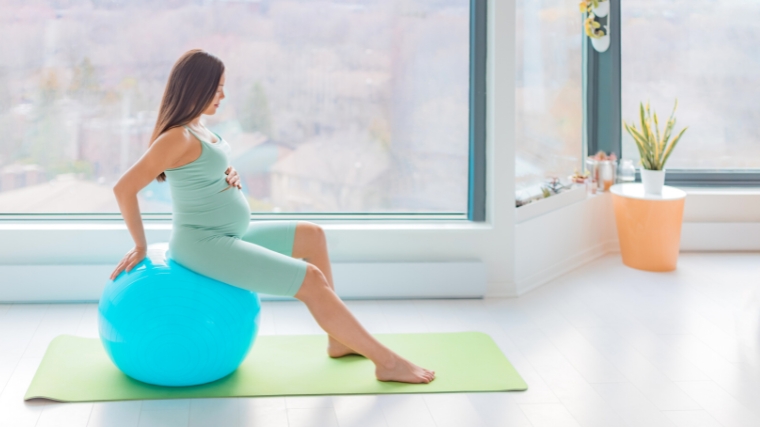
(174, 135)
(174, 146)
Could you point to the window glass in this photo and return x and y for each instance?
(549, 91)
(332, 106)
(705, 53)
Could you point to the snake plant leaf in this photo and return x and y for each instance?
(644, 127)
(637, 139)
(673, 145)
(650, 138)
(637, 136)
(671, 123)
(666, 137)
(668, 130)
(672, 117)
(657, 141)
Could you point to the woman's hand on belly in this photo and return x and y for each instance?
(233, 178)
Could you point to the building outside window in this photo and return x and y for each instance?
(339, 106)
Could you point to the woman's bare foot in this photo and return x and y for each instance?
(336, 349)
(402, 370)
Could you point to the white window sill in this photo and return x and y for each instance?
(86, 242)
(166, 226)
(550, 204)
(722, 205)
(722, 191)
(703, 204)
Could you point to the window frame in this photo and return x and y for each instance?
(476, 197)
(603, 128)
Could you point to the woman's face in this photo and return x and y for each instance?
(211, 109)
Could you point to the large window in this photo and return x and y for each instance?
(549, 97)
(705, 53)
(332, 106)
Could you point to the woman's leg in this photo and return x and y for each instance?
(335, 318)
(311, 245)
(298, 239)
(266, 248)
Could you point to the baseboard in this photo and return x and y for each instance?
(355, 280)
(554, 271)
(500, 290)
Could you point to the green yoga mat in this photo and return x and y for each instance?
(76, 369)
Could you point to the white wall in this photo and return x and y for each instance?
(726, 219)
(561, 240)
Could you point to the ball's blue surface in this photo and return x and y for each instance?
(163, 324)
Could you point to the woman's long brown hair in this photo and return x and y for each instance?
(192, 85)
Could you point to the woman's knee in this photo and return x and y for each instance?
(314, 283)
(314, 232)
(310, 240)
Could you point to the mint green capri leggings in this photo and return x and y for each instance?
(260, 259)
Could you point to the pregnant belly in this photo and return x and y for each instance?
(226, 212)
(235, 212)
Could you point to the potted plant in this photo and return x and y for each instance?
(654, 147)
(599, 35)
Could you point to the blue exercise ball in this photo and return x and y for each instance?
(163, 324)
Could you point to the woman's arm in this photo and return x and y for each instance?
(163, 154)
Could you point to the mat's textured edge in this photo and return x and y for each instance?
(519, 382)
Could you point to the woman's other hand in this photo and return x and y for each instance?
(232, 177)
(130, 260)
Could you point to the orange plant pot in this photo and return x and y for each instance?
(649, 228)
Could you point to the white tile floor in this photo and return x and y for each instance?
(602, 346)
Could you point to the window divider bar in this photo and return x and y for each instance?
(602, 89)
(476, 194)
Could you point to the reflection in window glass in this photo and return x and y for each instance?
(549, 97)
(332, 106)
(705, 53)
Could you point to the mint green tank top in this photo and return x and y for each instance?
(202, 201)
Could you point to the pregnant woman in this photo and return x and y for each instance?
(211, 229)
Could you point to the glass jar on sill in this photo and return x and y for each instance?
(607, 172)
(627, 171)
(592, 167)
